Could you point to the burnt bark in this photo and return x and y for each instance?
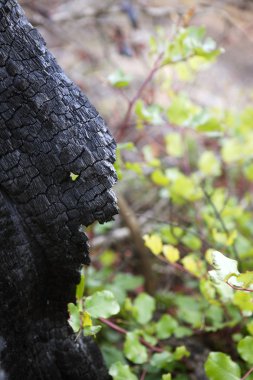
(48, 129)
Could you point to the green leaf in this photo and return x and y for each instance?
(91, 330)
(192, 241)
(119, 79)
(80, 287)
(250, 327)
(243, 301)
(102, 304)
(74, 319)
(166, 326)
(73, 176)
(181, 110)
(246, 279)
(161, 360)
(120, 371)
(143, 308)
(167, 377)
(219, 366)
(134, 350)
(209, 164)
(111, 354)
(245, 349)
(193, 264)
(181, 352)
(174, 144)
(159, 178)
(128, 281)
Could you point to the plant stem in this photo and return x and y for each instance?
(143, 375)
(125, 123)
(247, 374)
(238, 288)
(120, 330)
(219, 217)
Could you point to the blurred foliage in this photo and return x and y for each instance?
(203, 174)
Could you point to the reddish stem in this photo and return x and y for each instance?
(125, 123)
(238, 288)
(247, 374)
(143, 375)
(124, 332)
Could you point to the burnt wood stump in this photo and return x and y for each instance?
(48, 130)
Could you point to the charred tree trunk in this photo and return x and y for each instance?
(48, 129)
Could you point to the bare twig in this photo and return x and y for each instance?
(125, 123)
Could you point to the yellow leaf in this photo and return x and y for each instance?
(154, 243)
(171, 253)
(193, 265)
(86, 319)
(231, 237)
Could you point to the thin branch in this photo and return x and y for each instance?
(120, 330)
(219, 217)
(247, 374)
(239, 288)
(143, 375)
(125, 123)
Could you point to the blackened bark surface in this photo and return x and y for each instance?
(48, 129)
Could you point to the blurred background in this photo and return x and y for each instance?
(92, 38)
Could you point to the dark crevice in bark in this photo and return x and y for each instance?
(48, 129)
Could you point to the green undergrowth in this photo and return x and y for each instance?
(198, 164)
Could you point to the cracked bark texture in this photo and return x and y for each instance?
(48, 129)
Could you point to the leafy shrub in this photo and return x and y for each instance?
(202, 173)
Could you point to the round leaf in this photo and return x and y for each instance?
(134, 350)
(220, 366)
(102, 304)
(245, 349)
(120, 371)
(143, 308)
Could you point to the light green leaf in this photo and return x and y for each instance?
(91, 330)
(128, 281)
(143, 308)
(74, 319)
(181, 352)
(209, 164)
(73, 176)
(166, 326)
(219, 366)
(245, 349)
(250, 327)
(134, 350)
(80, 287)
(167, 377)
(243, 301)
(119, 79)
(174, 144)
(161, 360)
(159, 178)
(246, 279)
(102, 304)
(120, 371)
